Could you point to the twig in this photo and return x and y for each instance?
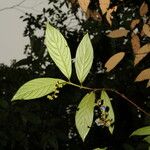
(12, 7)
(20, 10)
(131, 102)
(31, 8)
(112, 90)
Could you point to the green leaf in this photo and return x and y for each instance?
(147, 139)
(58, 50)
(37, 88)
(84, 58)
(107, 103)
(84, 116)
(142, 131)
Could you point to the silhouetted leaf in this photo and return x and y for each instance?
(114, 60)
(37, 88)
(58, 50)
(84, 116)
(84, 58)
(22, 62)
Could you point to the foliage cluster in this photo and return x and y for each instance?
(48, 122)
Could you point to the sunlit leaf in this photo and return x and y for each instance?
(114, 60)
(84, 114)
(109, 16)
(148, 84)
(135, 41)
(104, 5)
(144, 49)
(143, 9)
(107, 103)
(118, 33)
(141, 53)
(84, 4)
(134, 23)
(144, 75)
(58, 50)
(84, 58)
(146, 30)
(147, 139)
(141, 131)
(138, 58)
(37, 88)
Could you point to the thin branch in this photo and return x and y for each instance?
(39, 3)
(31, 8)
(34, 6)
(12, 7)
(20, 10)
(112, 90)
(131, 102)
